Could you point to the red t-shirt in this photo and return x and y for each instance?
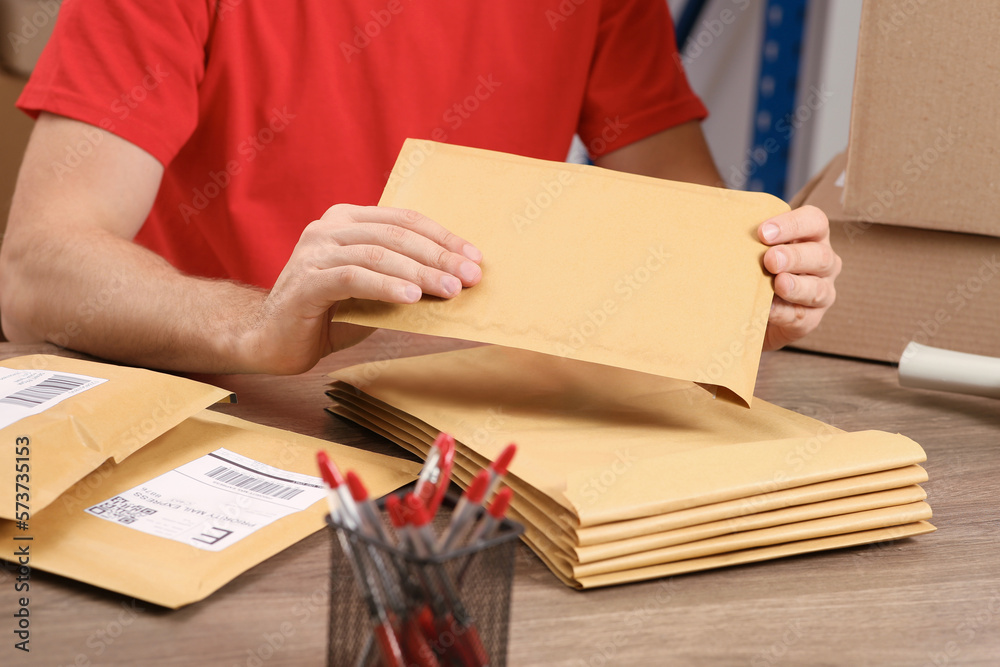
(267, 113)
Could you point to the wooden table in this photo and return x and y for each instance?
(933, 600)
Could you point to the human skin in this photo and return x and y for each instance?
(70, 244)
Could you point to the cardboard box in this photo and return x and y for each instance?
(925, 138)
(27, 26)
(17, 127)
(901, 284)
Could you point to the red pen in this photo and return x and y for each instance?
(419, 623)
(372, 526)
(486, 528)
(370, 520)
(499, 467)
(467, 641)
(436, 472)
(334, 480)
(385, 635)
(465, 511)
(400, 516)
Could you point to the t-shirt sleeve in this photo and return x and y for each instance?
(131, 67)
(637, 86)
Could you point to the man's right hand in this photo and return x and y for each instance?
(70, 273)
(364, 252)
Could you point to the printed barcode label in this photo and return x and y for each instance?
(213, 501)
(45, 391)
(251, 483)
(24, 393)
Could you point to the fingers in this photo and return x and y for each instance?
(378, 259)
(404, 242)
(352, 281)
(788, 322)
(804, 267)
(417, 223)
(807, 223)
(394, 242)
(808, 291)
(813, 258)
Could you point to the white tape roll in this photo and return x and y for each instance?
(925, 367)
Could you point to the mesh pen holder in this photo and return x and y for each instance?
(445, 606)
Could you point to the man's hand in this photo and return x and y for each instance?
(804, 267)
(382, 254)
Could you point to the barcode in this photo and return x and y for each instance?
(56, 385)
(120, 510)
(251, 483)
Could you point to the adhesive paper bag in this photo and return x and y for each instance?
(190, 511)
(70, 416)
(591, 264)
(623, 476)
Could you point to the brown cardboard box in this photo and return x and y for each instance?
(901, 284)
(924, 131)
(13, 140)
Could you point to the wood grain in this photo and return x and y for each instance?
(933, 600)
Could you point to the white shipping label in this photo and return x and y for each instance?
(212, 502)
(28, 392)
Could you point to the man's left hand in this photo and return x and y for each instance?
(804, 267)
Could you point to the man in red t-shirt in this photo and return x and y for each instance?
(162, 214)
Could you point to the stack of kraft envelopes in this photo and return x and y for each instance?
(613, 302)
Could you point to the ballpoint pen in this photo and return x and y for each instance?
(468, 644)
(498, 468)
(366, 509)
(436, 472)
(485, 528)
(413, 600)
(371, 525)
(385, 635)
(465, 511)
(423, 610)
(335, 481)
(487, 525)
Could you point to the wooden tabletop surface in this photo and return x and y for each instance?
(932, 600)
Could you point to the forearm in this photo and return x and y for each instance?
(87, 289)
(678, 154)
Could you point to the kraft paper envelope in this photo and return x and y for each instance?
(659, 443)
(647, 544)
(536, 509)
(591, 264)
(898, 517)
(699, 479)
(798, 495)
(842, 496)
(812, 493)
(838, 541)
(543, 528)
(115, 412)
(833, 525)
(69, 541)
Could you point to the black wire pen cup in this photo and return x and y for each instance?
(451, 609)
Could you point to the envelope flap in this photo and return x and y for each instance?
(75, 433)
